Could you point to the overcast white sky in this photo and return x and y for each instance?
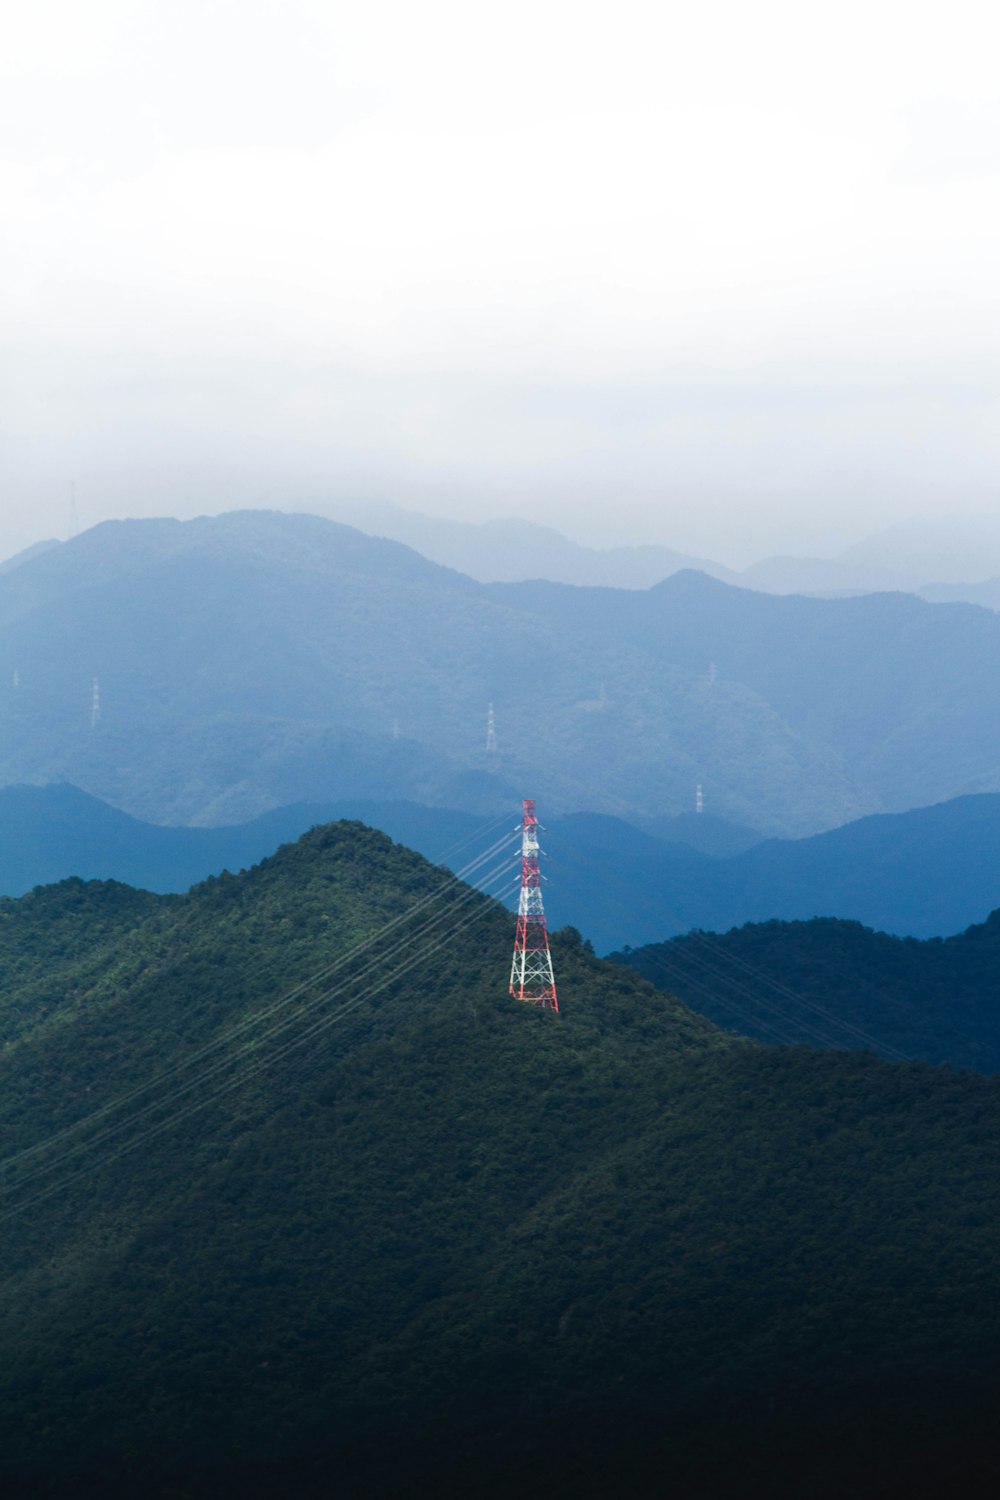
(718, 275)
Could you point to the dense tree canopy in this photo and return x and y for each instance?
(448, 1243)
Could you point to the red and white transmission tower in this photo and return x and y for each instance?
(531, 976)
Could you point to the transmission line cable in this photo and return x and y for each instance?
(672, 972)
(815, 1030)
(255, 1040)
(205, 1100)
(818, 1010)
(823, 1017)
(250, 1022)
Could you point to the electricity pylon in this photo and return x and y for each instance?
(531, 976)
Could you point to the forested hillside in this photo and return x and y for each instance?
(385, 1231)
(838, 984)
(256, 659)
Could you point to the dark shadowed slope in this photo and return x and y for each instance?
(449, 1244)
(830, 983)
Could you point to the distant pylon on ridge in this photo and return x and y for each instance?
(95, 705)
(699, 800)
(531, 976)
(491, 733)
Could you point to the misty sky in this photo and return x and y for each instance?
(718, 275)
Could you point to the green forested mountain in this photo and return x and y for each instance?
(835, 983)
(446, 1243)
(251, 660)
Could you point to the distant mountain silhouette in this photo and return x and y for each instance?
(253, 660)
(704, 832)
(948, 549)
(51, 833)
(514, 550)
(35, 550)
(925, 873)
(985, 594)
(933, 558)
(901, 558)
(825, 576)
(905, 558)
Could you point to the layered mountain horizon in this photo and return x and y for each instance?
(255, 659)
(927, 873)
(957, 561)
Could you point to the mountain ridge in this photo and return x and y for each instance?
(830, 982)
(495, 551)
(929, 872)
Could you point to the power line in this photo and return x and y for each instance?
(824, 1019)
(254, 1021)
(160, 1127)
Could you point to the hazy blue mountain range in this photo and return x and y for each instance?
(513, 550)
(277, 1223)
(899, 560)
(945, 549)
(880, 682)
(10, 563)
(939, 559)
(257, 659)
(902, 557)
(51, 833)
(702, 831)
(925, 873)
(838, 984)
(986, 593)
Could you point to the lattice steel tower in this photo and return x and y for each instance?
(531, 976)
